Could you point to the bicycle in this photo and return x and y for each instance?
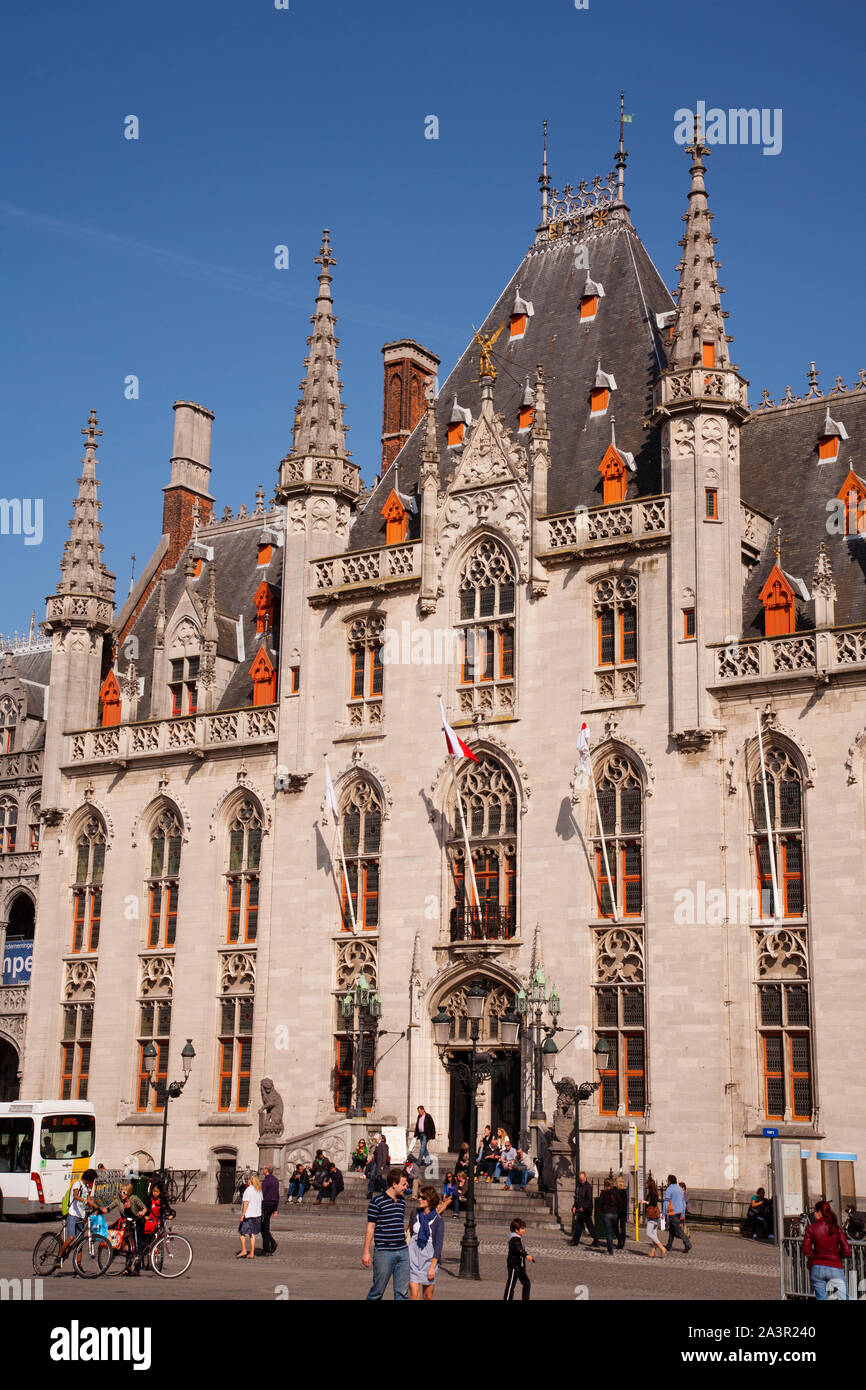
(169, 1255)
(91, 1254)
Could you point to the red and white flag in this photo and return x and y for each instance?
(456, 747)
(331, 796)
(585, 763)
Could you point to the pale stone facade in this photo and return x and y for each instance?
(581, 611)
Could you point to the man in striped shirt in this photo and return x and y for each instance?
(386, 1230)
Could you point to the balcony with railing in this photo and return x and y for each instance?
(195, 734)
(593, 528)
(488, 922)
(822, 653)
(364, 569)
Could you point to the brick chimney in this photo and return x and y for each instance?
(409, 368)
(190, 477)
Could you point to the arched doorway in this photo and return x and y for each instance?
(500, 1097)
(22, 919)
(9, 1062)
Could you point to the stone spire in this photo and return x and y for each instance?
(621, 157)
(82, 571)
(823, 589)
(544, 184)
(429, 502)
(319, 428)
(700, 317)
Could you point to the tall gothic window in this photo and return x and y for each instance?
(490, 809)
(615, 606)
(163, 881)
(34, 825)
(782, 954)
(75, 1051)
(620, 801)
(486, 630)
(87, 888)
(8, 825)
(366, 671)
(154, 1026)
(183, 685)
(362, 836)
(8, 725)
(236, 1050)
(245, 852)
(619, 949)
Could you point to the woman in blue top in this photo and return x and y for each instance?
(425, 1245)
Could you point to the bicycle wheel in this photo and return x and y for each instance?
(170, 1256)
(93, 1257)
(171, 1189)
(46, 1254)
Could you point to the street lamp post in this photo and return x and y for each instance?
(479, 1068)
(170, 1092)
(534, 1001)
(583, 1092)
(361, 1010)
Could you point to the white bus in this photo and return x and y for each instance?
(42, 1143)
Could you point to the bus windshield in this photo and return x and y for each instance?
(67, 1136)
(16, 1143)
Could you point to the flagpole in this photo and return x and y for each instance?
(777, 915)
(471, 866)
(343, 860)
(611, 884)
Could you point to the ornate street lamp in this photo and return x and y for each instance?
(471, 1074)
(361, 1010)
(168, 1092)
(534, 1001)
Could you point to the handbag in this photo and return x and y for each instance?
(99, 1225)
(653, 1213)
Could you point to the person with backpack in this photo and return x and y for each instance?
(78, 1204)
(825, 1245)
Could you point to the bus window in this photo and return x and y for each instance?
(16, 1144)
(67, 1136)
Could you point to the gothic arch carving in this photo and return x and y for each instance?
(16, 889)
(225, 804)
(185, 633)
(442, 785)
(146, 819)
(360, 767)
(462, 972)
(615, 743)
(774, 732)
(74, 820)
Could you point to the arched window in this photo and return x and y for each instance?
(362, 836)
(620, 801)
(34, 825)
(366, 671)
(615, 605)
(486, 628)
(87, 888)
(490, 810)
(782, 955)
(499, 999)
(8, 725)
(8, 825)
(163, 881)
(245, 852)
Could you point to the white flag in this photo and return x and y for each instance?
(331, 796)
(583, 749)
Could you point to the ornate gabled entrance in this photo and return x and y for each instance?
(499, 1100)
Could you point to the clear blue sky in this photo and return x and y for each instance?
(260, 126)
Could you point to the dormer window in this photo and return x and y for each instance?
(832, 433)
(527, 409)
(264, 679)
(777, 596)
(613, 471)
(183, 686)
(667, 321)
(852, 492)
(264, 602)
(8, 724)
(460, 418)
(599, 397)
(265, 552)
(196, 568)
(521, 311)
(396, 519)
(592, 293)
(109, 702)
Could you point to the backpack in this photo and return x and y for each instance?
(64, 1205)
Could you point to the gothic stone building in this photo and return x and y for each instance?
(588, 522)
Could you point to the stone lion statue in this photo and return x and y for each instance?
(271, 1109)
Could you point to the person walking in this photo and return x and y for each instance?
(583, 1211)
(251, 1218)
(621, 1189)
(674, 1207)
(270, 1204)
(425, 1129)
(517, 1260)
(425, 1246)
(298, 1183)
(386, 1232)
(825, 1245)
(609, 1208)
(653, 1216)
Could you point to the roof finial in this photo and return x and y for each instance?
(132, 575)
(544, 182)
(777, 547)
(621, 154)
(612, 432)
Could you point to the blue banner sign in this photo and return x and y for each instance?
(771, 1134)
(17, 962)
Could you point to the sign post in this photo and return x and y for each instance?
(638, 1185)
(789, 1197)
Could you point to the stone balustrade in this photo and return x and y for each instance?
(812, 653)
(14, 765)
(193, 733)
(362, 568)
(597, 526)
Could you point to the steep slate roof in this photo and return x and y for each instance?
(237, 578)
(623, 335)
(781, 476)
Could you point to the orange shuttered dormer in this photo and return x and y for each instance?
(109, 699)
(852, 493)
(613, 469)
(264, 679)
(396, 519)
(777, 596)
(264, 602)
(831, 436)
